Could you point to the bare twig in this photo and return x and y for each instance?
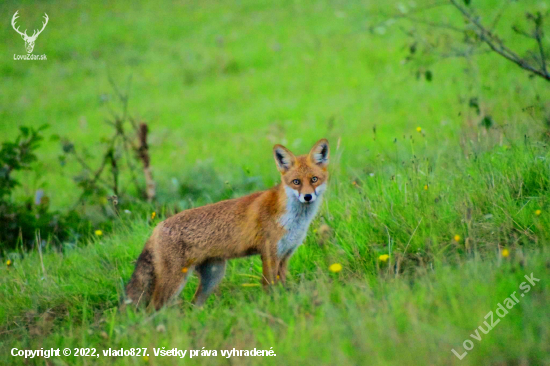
(121, 145)
(143, 152)
(415, 10)
(434, 24)
(521, 32)
(114, 170)
(97, 175)
(498, 46)
(464, 54)
(499, 15)
(538, 37)
(106, 157)
(486, 35)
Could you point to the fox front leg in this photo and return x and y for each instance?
(283, 269)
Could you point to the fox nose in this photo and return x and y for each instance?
(308, 197)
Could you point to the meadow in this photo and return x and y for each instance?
(435, 216)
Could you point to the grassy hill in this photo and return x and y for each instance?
(460, 208)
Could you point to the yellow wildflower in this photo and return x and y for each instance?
(419, 129)
(426, 187)
(457, 237)
(335, 267)
(145, 358)
(8, 263)
(384, 258)
(99, 232)
(153, 215)
(538, 212)
(505, 253)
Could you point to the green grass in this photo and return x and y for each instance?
(219, 84)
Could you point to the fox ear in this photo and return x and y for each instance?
(284, 158)
(319, 153)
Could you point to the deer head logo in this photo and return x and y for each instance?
(29, 41)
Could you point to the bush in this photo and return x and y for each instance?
(21, 222)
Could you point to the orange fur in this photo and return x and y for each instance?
(204, 238)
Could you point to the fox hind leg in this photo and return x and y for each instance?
(140, 287)
(211, 273)
(170, 286)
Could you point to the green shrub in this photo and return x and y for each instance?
(21, 222)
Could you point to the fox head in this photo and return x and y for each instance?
(304, 177)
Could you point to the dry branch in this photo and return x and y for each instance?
(143, 153)
(497, 45)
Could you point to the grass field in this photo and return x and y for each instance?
(461, 210)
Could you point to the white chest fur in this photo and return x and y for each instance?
(295, 221)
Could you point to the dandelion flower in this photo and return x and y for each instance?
(384, 258)
(457, 237)
(146, 358)
(538, 212)
(426, 187)
(505, 253)
(335, 268)
(153, 215)
(8, 262)
(99, 232)
(184, 270)
(419, 129)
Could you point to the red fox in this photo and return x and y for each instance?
(271, 223)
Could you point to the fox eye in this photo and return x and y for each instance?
(296, 182)
(314, 179)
